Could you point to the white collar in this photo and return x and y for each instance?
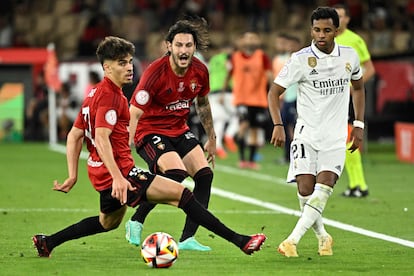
(319, 54)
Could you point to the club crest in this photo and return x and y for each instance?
(193, 85)
(348, 67)
(312, 61)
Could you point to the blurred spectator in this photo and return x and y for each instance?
(37, 111)
(93, 79)
(381, 33)
(98, 27)
(285, 45)
(114, 8)
(20, 40)
(196, 7)
(85, 7)
(8, 132)
(259, 15)
(222, 109)
(67, 109)
(6, 31)
(165, 11)
(251, 74)
(135, 30)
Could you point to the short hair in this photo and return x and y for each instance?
(325, 13)
(114, 48)
(196, 26)
(343, 7)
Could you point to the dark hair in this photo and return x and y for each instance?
(343, 7)
(196, 26)
(325, 13)
(114, 48)
(94, 76)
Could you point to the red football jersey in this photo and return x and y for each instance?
(166, 98)
(106, 106)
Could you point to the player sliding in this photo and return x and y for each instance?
(103, 123)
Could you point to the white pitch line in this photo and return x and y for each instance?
(163, 211)
(275, 207)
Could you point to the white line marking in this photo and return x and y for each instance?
(272, 206)
(163, 211)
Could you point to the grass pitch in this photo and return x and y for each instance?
(374, 235)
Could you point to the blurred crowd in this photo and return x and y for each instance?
(76, 26)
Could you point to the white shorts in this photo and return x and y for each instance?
(304, 159)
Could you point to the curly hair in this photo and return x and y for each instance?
(196, 26)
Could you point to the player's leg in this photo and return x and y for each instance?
(318, 194)
(257, 118)
(163, 190)
(110, 217)
(241, 134)
(232, 123)
(161, 158)
(357, 186)
(197, 166)
(219, 119)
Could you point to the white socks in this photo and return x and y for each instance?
(312, 207)
(318, 226)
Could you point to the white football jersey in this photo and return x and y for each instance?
(324, 82)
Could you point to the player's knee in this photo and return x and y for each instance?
(176, 174)
(205, 175)
(305, 190)
(186, 197)
(109, 225)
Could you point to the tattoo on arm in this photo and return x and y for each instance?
(202, 106)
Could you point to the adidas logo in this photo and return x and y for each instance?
(313, 72)
(338, 168)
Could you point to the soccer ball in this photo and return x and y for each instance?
(159, 250)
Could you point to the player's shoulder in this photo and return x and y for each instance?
(302, 53)
(159, 62)
(199, 65)
(347, 50)
(352, 35)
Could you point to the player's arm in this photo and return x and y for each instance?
(73, 149)
(369, 70)
(227, 79)
(202, 106)
(278, 135)
(358, 99)
(103, 144)
(135, 113)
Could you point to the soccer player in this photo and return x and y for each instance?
(103, 123)
(357, 186)
(224, 113)
(160, 108)
(251, 72)
(285, 45)
(323, 71)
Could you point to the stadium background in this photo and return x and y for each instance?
(387, 28)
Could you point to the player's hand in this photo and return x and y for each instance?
(120, 189)
(357, 138)
(221, 98)
(278, 136)
(65, 187)
(210, 148)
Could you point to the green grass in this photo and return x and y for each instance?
(29, 206)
